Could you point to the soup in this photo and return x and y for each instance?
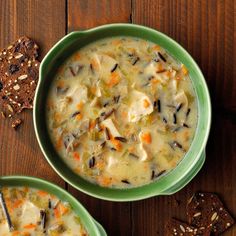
(121, 112)
(36, 212)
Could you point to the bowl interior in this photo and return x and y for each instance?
(73, 42)
(32, 182)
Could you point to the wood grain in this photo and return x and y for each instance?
(85, 14)
(115, 217)
(19, 150)
(207, 29)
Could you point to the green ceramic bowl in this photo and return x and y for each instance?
(92, 226)
(169, 183)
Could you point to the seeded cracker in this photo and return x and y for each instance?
(206, 210)
(178, 228)
(18, 76)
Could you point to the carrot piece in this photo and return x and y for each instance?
(79, 117)
(80, 105)
(60, 83)
(57, 213)
(177, 77)
(159, 67)
(146, 137)
(17, 203)
(117, 144)
(146, 103)
(76, 56)
(26, 234)
(63, 209)
(42, 193)
(30, 226)
(92, 124)
(114, 79)
(156, 47)
(59, 143)
(104, 181)
(116, 42)
(76, 156)
(184, 70)
(15, 233)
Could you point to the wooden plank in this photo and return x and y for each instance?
(19, 150)
(218, 175)
(83, 14)
(207, 30)
(115, 217)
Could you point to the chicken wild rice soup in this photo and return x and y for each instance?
(121, 112)
(35, 212)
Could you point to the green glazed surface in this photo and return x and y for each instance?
(92, 227)
(169, 183)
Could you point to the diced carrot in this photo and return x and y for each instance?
(26, 189)
(57, 213)
(146, 103)
(42, 193)
(59, 143)
(15, 233)
(30, 226)
(117, 144)
(154, 81)
(168, 74)
(80, 105)
(17, 203)
(60, 83)
(184, 70)
(92, 124)
(146, 137)
(100, 165)
(76, 56)
(104, 181)
(114, 79)
(159, 67)
(60, 210)
(116, 42)
(79, 117)
(76, 156)
(177, 77)
(26, 234)
(156, 47)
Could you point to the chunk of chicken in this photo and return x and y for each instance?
(108, 123)
(141, 105)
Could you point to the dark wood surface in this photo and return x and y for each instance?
(207, 29)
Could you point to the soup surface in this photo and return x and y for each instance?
(37, 213)
(121, 112)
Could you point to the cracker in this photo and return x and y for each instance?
(178, 228)
(19, 71)
(206, 210)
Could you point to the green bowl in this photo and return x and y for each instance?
(92, 226)
(169, 183)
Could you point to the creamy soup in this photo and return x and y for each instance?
(37, 213)
(121, 112)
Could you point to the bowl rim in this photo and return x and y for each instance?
(31, 181)
(152, 190)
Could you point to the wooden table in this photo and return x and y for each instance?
(207, 29)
